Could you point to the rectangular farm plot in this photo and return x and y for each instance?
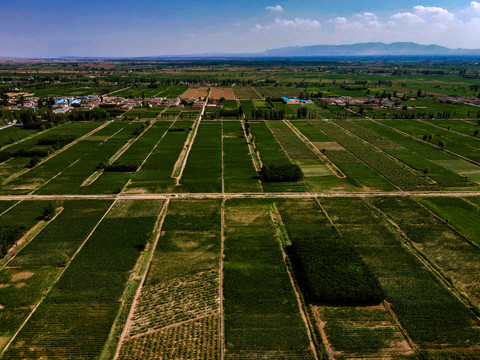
(317, 174)
(239, 171)
(80, 310)
(203, 171)
(155, 175)
(12, 134)
(245, 93)
(215, 93)
(179, 302)
(431, 315)
(271, 153)
(262, 318)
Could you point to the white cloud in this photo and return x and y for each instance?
(475, 6)
(295, 24)
(422, 24)
(276, 8)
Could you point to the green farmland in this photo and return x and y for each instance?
(162, 226)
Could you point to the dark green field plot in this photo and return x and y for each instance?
(327, 266)
(433, 317)
(262, 318)
(248, 109)
(203, 171)
(190, 243)
(239, 171)
(155, 175)
(81, 308)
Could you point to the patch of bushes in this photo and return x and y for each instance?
(38, 125)
(176, 130)
(57, 141)
(8, 236)
(32, 153)
(120, 167)
(330, 271)
(281, 173)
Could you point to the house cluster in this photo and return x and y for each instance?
(372, 102)
(475, 101)
(64, 104)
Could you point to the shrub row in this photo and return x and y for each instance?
(281, 173)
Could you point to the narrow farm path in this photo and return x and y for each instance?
(141, 273)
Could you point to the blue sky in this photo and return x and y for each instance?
(148, 28)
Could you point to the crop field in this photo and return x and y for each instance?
(259, 299)
(238, 227)
(239, 170)
(245, 93)
(217, 93)
(85, 299)
(177, 312)
(205, 158)
(428, 311)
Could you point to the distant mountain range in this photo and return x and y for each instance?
(367, 49)
(373, 49)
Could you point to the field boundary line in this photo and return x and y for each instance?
(55, 176)
(281, 233)
(333, 168)
(436, 270)
(83, 137)
(27, 239)
(113, 92)
(187, 146)
(223, 164)
(402, 329)
(428, 143)
(437, 216)
(144, 272)
(52, 286)
(259, 96)
(257, 162)
(222, 254)
(11, 207)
